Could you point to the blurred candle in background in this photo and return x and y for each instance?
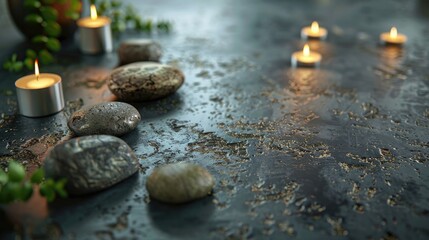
(314, 32)
(393, 37)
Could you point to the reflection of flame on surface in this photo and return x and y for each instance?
(303, 81)
(93, 12)
(315, 27)
(390, 66)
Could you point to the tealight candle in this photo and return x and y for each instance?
(95, 33)
(306, 58)
(40, 94)
(314, 32)
(393, 37)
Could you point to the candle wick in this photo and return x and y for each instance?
(37, 77)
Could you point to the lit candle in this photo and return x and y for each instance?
(40, 94)
(95, 33)
(314, 32)
(306, 58)
(393, 37)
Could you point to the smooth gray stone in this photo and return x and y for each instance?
(139, 50)
(179, 183)
(144, 81)
(111, 118)
(91, 163)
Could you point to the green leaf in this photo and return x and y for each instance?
(34, 18)
(130, 11)
(3, 177)
(116, 15)
(32, 3)
(53, 44)
(40, 39)
(60, 188)
(147, 26)
(7, 65)
(16, 172)
(17, 66)
(72, 14)
(75, 5)
(14, 189)
(37, 176)
(47, 190)
(46, 57)
(26, 191)
(13, 66)
(116, 4)
(46, 2)
(28, 63)
(31, 54)
(52, 29)
(49, 13)
(164, 25)
(102, 7)
(6, 194)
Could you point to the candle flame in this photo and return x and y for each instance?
(93, 12)
(306, 50)
(315, 27)
(393, 32)
(36, 69)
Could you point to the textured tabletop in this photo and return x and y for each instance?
(330, 153)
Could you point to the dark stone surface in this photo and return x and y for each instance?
(112, 118)
(335, 153)
(144, 81)
(179, 183)
(139, 50)
(91, 163)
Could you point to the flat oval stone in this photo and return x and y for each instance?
(112, 118)
(139, 50)
(179, 183)
(144, 81)
(91, 163)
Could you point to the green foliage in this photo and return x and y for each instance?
(15, 187)
(44, 15)
(48, 13)
(52, 29)
(37, 176)
(32, 3)
(46, 57)
(13, 65)
(53, 44)
(34, 18)
(125, 16)
(16, 172)
(46, 43)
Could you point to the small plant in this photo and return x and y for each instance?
(43, 14)
(15, 187)
(47, 43)
(125, 17)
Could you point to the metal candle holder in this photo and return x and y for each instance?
(95, 35)
(39, 102)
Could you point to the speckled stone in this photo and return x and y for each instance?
(111, 118)
(139, 50)
(144, 81)
(91, 163)
(179, 183)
